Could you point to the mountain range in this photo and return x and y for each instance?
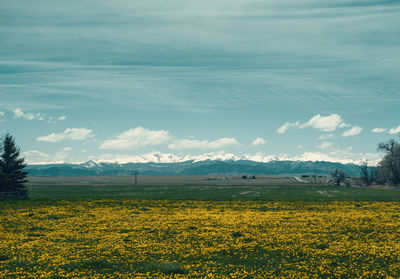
(193, 167)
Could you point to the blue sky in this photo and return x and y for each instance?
(103, 80)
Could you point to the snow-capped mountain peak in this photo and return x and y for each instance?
(91, 164)
(158, 157)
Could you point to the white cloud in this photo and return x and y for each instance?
(18, 113)
(339, 155)
(334, 155)
(62, 156)
(140, 137)
(38, 157)
(135, 138)
(1, 113)
(35, 156)
(394, 130)
(378, 130)
(53, 120)
(352, 132)
(324, 137)
(325, 145)
(344, 125)
(325, 123)
(258, 141)
(68, 134)
(204, 144)
(286, 126)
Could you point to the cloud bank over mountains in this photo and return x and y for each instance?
(339, 156)
(135, 139)
(140, 137)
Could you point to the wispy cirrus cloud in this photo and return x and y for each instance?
(68, 134)
(262, 56)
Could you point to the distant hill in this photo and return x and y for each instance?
(207, 167)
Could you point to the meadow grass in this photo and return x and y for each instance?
(198, 188)
(199, 239)
(215, 229)
(210, 192)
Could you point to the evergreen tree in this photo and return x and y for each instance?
(12, 176)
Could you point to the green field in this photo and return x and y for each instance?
(198, 188)
(116, 239)
(199, 227)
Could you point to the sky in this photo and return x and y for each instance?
(113, 80)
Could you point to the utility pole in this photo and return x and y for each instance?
(136, 173)
(315, 175)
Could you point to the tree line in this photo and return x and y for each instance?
(387, 172)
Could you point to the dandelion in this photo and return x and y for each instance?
(199, 239)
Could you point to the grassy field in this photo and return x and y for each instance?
(198, 188)
(199, 227)
(199, 239)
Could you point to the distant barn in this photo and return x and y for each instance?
(248, 177)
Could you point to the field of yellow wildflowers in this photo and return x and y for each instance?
(199, 239)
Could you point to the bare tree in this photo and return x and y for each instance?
(367, 173)
(389, 167)
(338, 176)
